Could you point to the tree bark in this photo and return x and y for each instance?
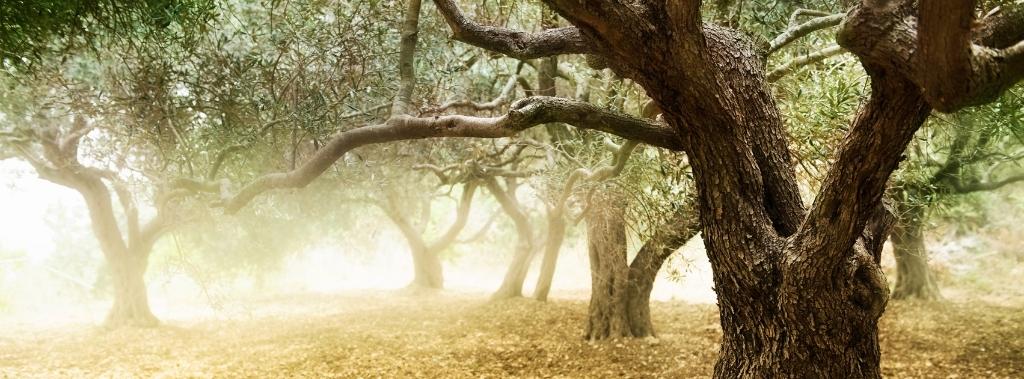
(131, 302)
(606, 243)
(800, 290)
(512, 284)
(552, 246)
(648, 261)
(914, 279)
(428, 272)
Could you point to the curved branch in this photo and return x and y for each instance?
(798, 31)
(855, 183)
(513, 43)
(502, 99)
(523, 115)
(812, 58)
(440, 172)
(1001, 27)
(461, 217)
(964, 188)
(221, 157)
(621, 156)
(938, 47)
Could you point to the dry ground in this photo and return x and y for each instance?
(442, 335)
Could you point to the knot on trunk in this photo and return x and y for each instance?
(869, 291)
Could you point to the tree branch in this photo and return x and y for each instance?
(523, 115)
(461, 216)
(797, 31)
(221, 157)
(513, 43)
(854, 185)
(935, 46)
(1001, 27)
(407, 58)
(812, 58)
(964, 188)
(944, 41)
(502, 99)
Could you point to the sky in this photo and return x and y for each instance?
(24, 202)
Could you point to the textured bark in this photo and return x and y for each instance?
(606, 243)
(513, 43)
(648, 261)
(914, 279)
(800, 291)
(930, 43)
(799, 296)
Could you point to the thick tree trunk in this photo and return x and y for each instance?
(427, 271)
(552, 246)
(131, 302)
(606, 239)
(913, 277)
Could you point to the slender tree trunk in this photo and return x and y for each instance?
(552, 246)
(606, 238)
(512, 284)
(515, 276)
(648, 261)
(427, 270)
(131, 302)
(547, 74)
(913, 277)
(638, 296)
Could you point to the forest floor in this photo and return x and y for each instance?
(458, 335)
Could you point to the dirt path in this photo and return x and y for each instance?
(389, 335)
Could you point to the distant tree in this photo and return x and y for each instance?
(973, 151)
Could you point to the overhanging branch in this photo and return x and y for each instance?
(797, 31)
(524, 114)
(514, 43)
(964, 188)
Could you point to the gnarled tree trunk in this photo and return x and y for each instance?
(800, 289)
(428, 272)
(609, 274)
(131, 302)
(126, 253)
(620, 294)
